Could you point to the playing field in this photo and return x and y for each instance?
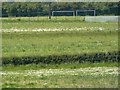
(62, 52)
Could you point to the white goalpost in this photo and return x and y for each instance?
(78, 11)
(72, 13)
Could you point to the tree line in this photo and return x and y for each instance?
(42, 8)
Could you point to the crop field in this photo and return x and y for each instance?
(61, 52)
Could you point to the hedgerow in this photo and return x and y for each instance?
(59, 59)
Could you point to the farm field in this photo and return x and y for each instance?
(59, 53)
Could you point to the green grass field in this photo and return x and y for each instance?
(58, 43)
(39, 37)
(62, 23)
(98, 77)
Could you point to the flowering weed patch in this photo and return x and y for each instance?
(96, 77)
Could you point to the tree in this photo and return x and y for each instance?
(49, 10)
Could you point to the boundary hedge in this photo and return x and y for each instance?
(59, 59)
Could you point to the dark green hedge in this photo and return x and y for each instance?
(56, 59)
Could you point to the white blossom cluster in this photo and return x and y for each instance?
(80, 71)
(55, 29)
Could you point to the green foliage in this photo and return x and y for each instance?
(32, 9)
(55, 59)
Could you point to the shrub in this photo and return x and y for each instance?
(59, 59)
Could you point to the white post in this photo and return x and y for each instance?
(52, 13)
(73, 13)
(94, 12)
(76, 12)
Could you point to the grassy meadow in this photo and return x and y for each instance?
(100, 77)
(62, 23)
(33, 49)
(58, 43)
